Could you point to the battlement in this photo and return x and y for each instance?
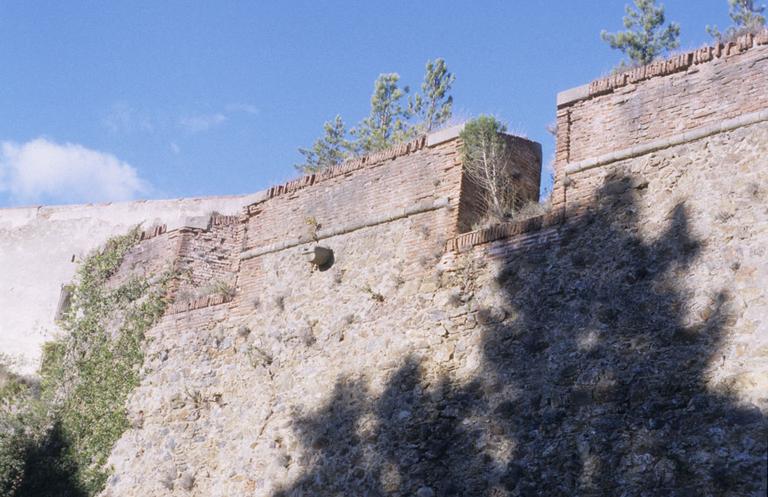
(419, 184)
(669, 102)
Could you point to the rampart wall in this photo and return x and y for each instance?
(614, 346)
(40, 247)
(690, 96)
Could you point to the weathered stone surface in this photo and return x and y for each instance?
(621, 350)
(625, 354)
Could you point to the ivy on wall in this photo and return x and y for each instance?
(85, 380)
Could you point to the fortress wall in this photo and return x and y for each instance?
(40, 247)
(620, 350)
(291, 338)
(386, 187)
(666, 102)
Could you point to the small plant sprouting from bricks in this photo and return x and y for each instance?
(280, 302)
(195, 396)
(223, 289)
(86, 376)
(373, 293)
(314, 228)
(259, 358)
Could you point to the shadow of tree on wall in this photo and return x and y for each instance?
(593, 383)
(47, 470)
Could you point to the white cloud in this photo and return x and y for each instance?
(42, 170)
(123, 118)
(202, 122)
(240, 107)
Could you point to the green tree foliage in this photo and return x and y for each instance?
(388, 120)
(646, 37)
(55, 437)
(746, 16)
(105, 331)
(434, 105)
(486, 158)
(16, 407)
(331, 149)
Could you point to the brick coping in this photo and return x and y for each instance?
(466, 241)
(664, 67)
(339, 170)
(722, 126)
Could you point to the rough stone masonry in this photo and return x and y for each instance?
(616, 346)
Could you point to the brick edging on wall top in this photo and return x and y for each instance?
(466, 241)
(340, 170)
(664, 67)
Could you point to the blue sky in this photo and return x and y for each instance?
(156, 99)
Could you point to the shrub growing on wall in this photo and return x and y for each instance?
(486, 162)
(747, 18)
(86, 378)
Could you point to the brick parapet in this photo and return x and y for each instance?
(345, 168)
(467, 241)
(664, 67)
(652, 107)
(426, 169)
(419, 186)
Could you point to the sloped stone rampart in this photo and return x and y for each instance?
(614, 348)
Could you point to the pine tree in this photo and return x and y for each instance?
(387, 122)
(434, 105)
(486, 162)
(332, 149)
(646, 37)
(746, 17)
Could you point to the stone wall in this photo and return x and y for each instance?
(615, 348)
(40, 247)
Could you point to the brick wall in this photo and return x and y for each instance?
(415, 193)
(356, 192)
(664, 99)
